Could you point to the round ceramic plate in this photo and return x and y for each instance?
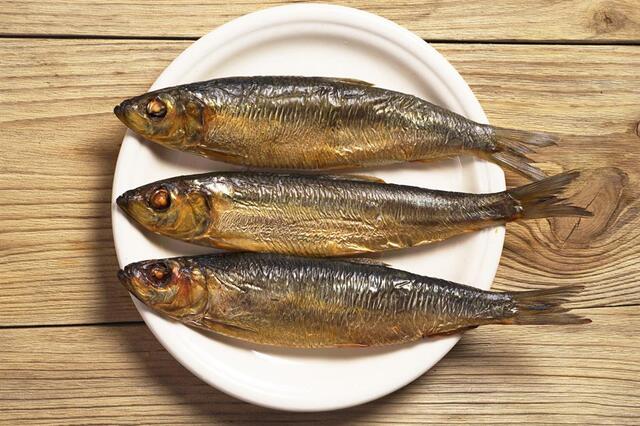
(315, 40)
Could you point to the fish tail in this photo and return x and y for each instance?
(545, 306)
(542, 199)
(512, 146)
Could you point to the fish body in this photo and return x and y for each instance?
(305, 302)
(326, 215)
(317, 123)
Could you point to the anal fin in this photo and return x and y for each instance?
(350, 345)
(452, 332)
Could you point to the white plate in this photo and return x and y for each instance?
(315, 40)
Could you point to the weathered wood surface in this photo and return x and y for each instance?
(59, 145)
(593, 21)
(60, 141)
(497, 374)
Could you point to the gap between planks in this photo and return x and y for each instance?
(139, 322)
(581, 20)
(533, 42)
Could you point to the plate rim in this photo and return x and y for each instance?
(380, 26)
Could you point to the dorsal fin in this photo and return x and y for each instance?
(354, 81)
(363, 178)
(365, 261)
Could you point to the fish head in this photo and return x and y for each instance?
(171, 117)
(177, 287)
(177, 208)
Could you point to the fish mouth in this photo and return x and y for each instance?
(130, 115)
(121, 201)
(125, 280)
(124, 203)
(122, 276)
(127, 201)
(118, 110)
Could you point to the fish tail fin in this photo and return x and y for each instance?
(512, 147)
(542, 199)
(545, 306)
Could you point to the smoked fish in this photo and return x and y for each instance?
(325, 215)
(312, 302)
(285, 122)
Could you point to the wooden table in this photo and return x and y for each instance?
(73, 348)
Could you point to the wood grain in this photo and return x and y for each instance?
(501, 374)
(592, 21)
(595, 103)
(60, 141)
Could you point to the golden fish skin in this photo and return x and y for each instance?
(326, 215)
(305, 302)
(317, 123)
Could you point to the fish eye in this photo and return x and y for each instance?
(159, 274)
(156, 108)
(160, 199)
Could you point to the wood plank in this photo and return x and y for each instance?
(60, 141)
(582, 97)
(501, 374)
(57, 168)
(548, 20)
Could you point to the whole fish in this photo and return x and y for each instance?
(318, 123)
(305, 302)
(328, 215)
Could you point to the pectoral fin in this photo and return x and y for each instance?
(224, 327)
(221, 154)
